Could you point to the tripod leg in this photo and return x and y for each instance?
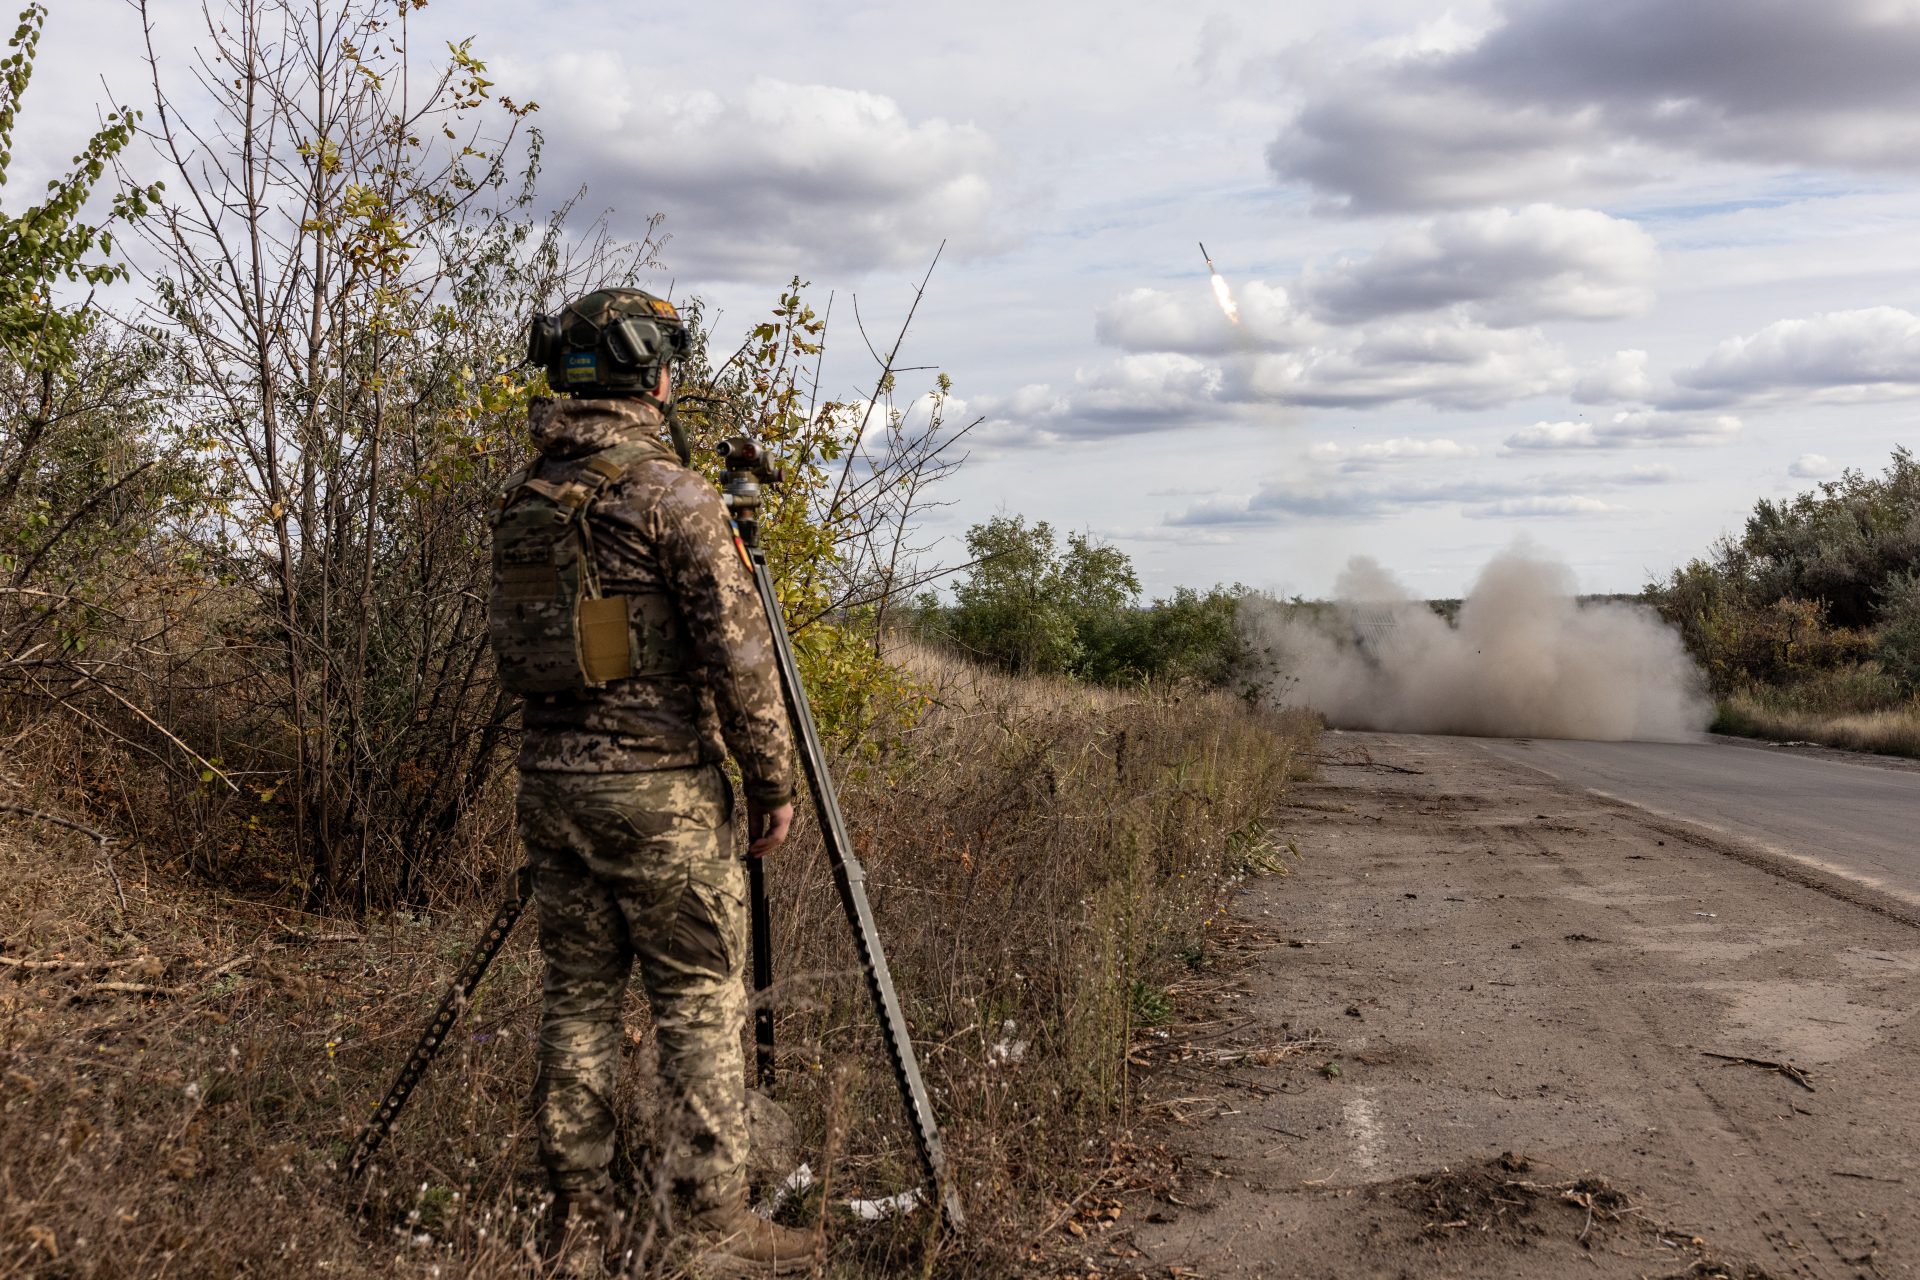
(851, 880)
(472, 969)
(762, 970)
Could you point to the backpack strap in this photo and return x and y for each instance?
(602, 469)
(616, 636)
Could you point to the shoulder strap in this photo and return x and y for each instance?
(511, 489)
(601, 470)
(616, 460)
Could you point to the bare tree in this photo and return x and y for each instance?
(346, 260)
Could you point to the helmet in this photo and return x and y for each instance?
(611, 342)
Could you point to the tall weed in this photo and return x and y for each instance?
(1040, 854)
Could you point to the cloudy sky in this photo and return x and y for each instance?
(1594, 275)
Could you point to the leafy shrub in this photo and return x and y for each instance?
(1820, 583)
(1027, 604)
(1032, 605)
(1897, 642)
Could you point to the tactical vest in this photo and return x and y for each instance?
(552, 629)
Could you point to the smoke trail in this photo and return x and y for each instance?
(1224, 296)
(1524, 659)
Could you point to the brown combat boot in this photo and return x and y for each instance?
(741, 1243)
(585, 1237)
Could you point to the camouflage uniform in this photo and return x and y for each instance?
(627, 819)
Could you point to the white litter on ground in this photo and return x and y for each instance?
(801, 1180)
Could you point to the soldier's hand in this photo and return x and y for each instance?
(767, 829)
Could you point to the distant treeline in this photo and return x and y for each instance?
(1815, 607)
(1033, 603)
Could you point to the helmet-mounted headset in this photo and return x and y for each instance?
(611, 342)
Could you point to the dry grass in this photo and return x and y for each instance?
(1039, 853)
(1893, 731)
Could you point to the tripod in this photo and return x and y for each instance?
(746, 470)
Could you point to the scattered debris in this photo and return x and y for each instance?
(1864, 1177)
(133, 989)
(1712, 1269)
(1491, 1200)
(1368, 764)
(801, 1180)
(1271, 1055)
(886, 1206)
(1786, 1069)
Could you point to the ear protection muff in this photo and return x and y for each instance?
(611, 341)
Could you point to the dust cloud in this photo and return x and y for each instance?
(1524, 658)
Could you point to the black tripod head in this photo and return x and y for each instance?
(745, 471)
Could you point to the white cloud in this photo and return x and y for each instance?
(1870, 354)
(1366, 457)
(1619, 379)
(1373, 142)
(772, 177)
(1569, 96)
(1181, 537)
(1449, 364)
(1134, 394)
(1142, 392)
(1192, 323)
(1312, 493)
(1563, 504)
(1626, 429)
(1812, 466)
(1503, 267)
(1309, 497)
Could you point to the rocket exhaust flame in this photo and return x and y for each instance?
(1221, 293)
(1224, 296)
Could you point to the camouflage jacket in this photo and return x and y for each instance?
(663, 528)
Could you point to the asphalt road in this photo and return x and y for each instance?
(1850, 816)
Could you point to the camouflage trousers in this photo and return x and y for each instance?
(626, 866)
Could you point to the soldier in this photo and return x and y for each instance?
(623, 613)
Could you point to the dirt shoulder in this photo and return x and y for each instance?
(1475, 1043)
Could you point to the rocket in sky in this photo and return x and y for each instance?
(1221, 293)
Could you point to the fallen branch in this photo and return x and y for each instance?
(13, 962)
(231, 965)
(1265, 1056)
(56, 819)
(1786, 1069)
(134, 988)
(105, 842)
(1098, 1181)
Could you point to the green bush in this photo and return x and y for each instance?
(1897, 642)
(1820, 594)
(1030, 604)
